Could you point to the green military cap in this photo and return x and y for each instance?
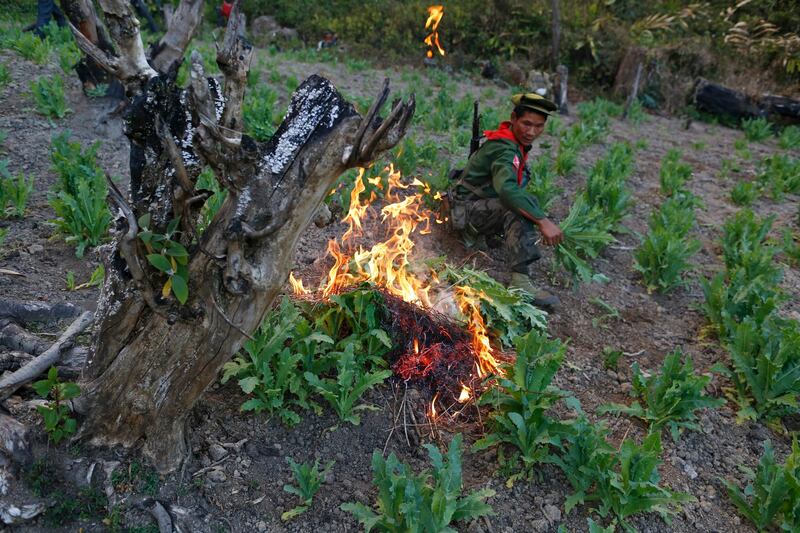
(535, 102)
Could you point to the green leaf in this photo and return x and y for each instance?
(180, 289)
(160, 262)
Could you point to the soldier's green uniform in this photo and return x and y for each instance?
(490, 198)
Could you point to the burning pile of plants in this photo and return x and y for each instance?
(443, 330)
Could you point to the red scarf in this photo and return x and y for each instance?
(504, 132)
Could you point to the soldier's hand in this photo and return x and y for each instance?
(551, 233)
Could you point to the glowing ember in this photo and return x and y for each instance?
(470, 305)
(435, 14)
(297, 285)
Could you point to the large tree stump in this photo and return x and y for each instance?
(153, 357)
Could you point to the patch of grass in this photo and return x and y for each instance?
(14, 193)
(137, 478)
(757, 129)
(31, 47)
(5, 75)
(258, 109)
(48, 95)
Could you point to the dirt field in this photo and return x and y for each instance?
(245, 492)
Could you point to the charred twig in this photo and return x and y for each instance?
(365, 123)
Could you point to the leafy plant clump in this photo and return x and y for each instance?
(744, 193)
(757, 129)
(771, 499)
(789, 138)
(664, 254)
(521, 400)
(168, 256)
(605, 187)
(14, 192)
(778, 175)
(425, 502)
(257, 112)
(308, 478)
(673, 174)
(48, 95)
(56, 414)
(79, 196)
(670, 398)
(617, 482)
(334, 349)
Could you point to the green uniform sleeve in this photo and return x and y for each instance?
(512, 196)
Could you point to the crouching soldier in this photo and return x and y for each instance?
(489, 197)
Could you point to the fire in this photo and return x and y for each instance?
(465, 395)
(435, 14)
(433, 406)
(469, 304)
(386, 263)
(297, 285)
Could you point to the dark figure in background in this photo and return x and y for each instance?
(143, 11)
(45, 11)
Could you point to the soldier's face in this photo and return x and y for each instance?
(528, 126)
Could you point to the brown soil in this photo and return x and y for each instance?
(245, 491)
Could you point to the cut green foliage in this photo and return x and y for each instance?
(605, 187)
(168, 256)
(351, 382)
(48, 95)
(257, 112)
(521, 399)
(779, 174)
(56, 414)
(670, 398)
(79, 196)
(757, 129)
(308, 478)
(744, 193)
(673, 174)
(271, 368)
(508, 313)
(415, 503)
(771, 499)
(14, 193)
(766, 367)
(586, 232)
(790, 138)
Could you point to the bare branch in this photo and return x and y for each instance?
(183, 24)
(234, 62)
(35, 368)
(367, 121)
(134, 70)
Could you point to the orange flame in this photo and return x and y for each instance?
(469, 304)
(435, 14)
(433, 406)
(297, 285)
(386, 264)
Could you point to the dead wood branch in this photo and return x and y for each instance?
(36, 311)
(9, 384)
(182, 24)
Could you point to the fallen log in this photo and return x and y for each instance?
(69, 366)
(9, 384)
(37, 311)
(726, 102)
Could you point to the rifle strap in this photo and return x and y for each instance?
(473, 189)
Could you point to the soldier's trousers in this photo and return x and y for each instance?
(488, 217)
